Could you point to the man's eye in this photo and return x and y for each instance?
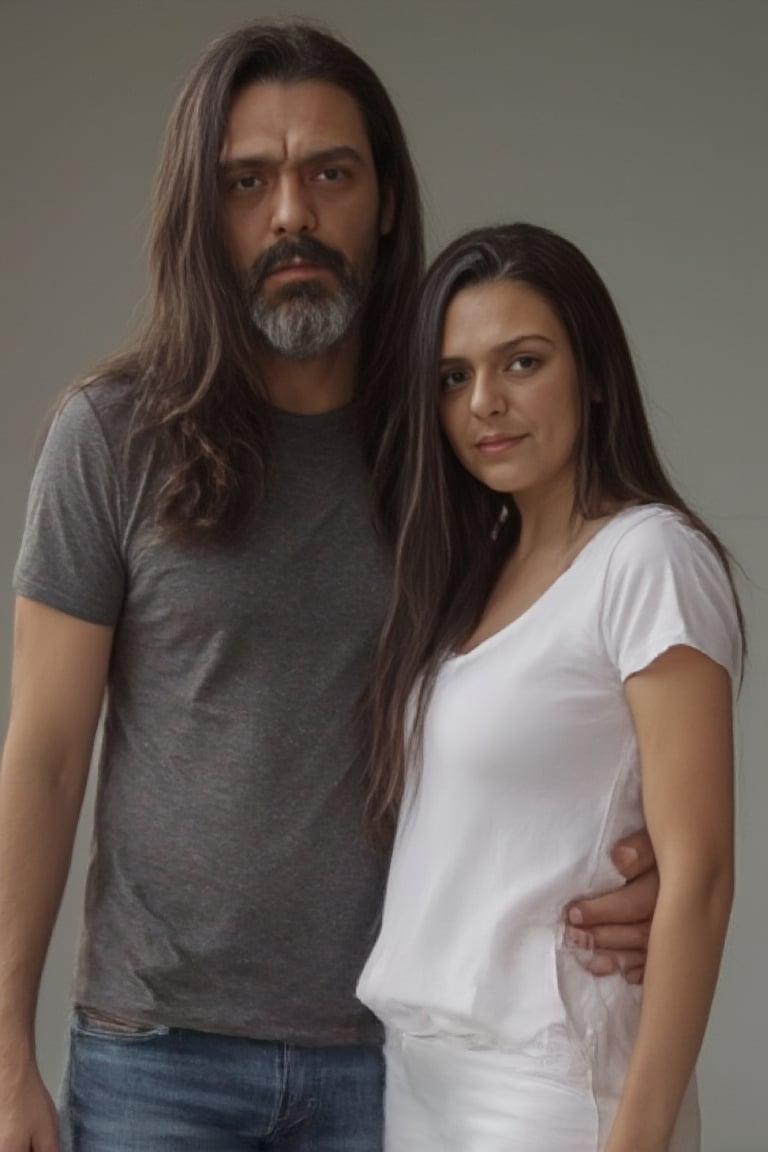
(245, 183)
(451, 380)
(331, 175)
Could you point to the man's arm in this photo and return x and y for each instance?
(59, 675)
(613, 928)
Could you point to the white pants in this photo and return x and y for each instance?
(445, 1096)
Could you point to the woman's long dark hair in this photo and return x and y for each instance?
(451, 543)
(197, 388)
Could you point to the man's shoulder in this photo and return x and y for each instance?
(99, 411)
(111, 400)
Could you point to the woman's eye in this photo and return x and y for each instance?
(450, 380)
(523, 363)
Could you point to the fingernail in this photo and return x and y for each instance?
(601, 965)
(575, 916)
(625, 857)
(578, 940)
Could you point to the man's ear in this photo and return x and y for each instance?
(387, 212)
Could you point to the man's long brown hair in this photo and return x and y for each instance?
(451, 544)
(197, 389)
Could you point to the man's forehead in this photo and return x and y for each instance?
(286, 119)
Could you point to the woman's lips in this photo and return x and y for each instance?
(493, 445)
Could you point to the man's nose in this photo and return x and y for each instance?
(292, 209)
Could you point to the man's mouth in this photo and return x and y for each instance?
(297, 268)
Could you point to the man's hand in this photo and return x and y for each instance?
(27, 1115)
(613, 928)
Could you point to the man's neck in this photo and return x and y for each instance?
(310, 387)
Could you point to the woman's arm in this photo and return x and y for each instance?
(681, 706)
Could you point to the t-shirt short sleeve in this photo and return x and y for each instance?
(666, 586)
(71, 557)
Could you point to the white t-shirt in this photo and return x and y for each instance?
(530, 775)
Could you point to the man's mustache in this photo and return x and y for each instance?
(305, 248)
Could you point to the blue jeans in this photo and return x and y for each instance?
(173, 1090)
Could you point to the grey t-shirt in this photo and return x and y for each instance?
(231, 886)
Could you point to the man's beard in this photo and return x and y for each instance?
(304, 319)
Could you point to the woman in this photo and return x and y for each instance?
(561, 650)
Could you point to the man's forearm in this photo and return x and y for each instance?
(38, 818)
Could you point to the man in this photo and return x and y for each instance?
(199, 547)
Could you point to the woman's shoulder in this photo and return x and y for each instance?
(642, 532)
(666, 583)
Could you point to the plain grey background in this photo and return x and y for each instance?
(636, 129)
